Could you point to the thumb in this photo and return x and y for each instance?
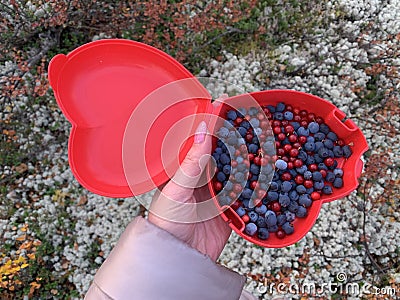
(180, 187)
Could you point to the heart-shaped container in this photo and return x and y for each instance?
(336, 120)
(100, 85)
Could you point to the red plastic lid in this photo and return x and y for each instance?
(98, 86)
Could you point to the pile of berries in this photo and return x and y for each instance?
(272, 163)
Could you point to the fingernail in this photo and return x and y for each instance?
(200, 134)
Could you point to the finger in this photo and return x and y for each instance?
(180, 187)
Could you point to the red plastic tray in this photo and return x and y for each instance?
(109, 89)
(344, 128)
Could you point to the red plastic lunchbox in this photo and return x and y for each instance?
(134, 109)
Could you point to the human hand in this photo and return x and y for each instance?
(184, 206)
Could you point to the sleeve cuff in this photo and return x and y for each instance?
(150, 263)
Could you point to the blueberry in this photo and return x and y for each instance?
(276, 176)
(310, 160)
(288, 115)
(319, 136)
(239, 159)
(287, 228)
(310, 190)
(247, 193)
(337, 151)
(231, 115)
(269, 147)
(281, 219)
(263, 234)
(293, 206)
(305, 200)
(270, 218)
(255, 141)
(245, 202)
(278, 116)
(293, 172)
(254, 122)
(240, 211)
(323, 152)
(261, 222)
(253, 216)
(232, 140)
(284, 199)
(245, 124)
(253, 111)
(228, 186)
(250, 228)
(310, 139)
(271, 108)
(242, 131)
(332, 136)
(330, 177)
(309, 146)
(319, 185)
(264, 186)
(241, 167)
(272, 196)
(254, 169)
(239, 177)
(281, 164)
(258, 131)
(274, 186)
(324, 128)
(267, 169)
(230, 149)
(328, 144)
(221, 176)
(293, 195)
(289, 216)
(318, 145)
(301, 212)
(273, 228)
(327, 190)
(253, 148)
(318, 159)
(346, 151)
(226, 169)
(229, 123)
(302, 155)
(285, 141)
(224, 159)
(338, 182)
(286, 186)
(224, 200)
(216, 156)
(301, 189)
(317, 176)
(260, 209)
(303, 131)
(296, 125)
(280, 107)
(322, 166)
(241, 112)
(338, 172)
(223, 132)
(307, 175)
(313, 127)
(301, 170)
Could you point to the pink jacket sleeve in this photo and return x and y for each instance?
(150, 263)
